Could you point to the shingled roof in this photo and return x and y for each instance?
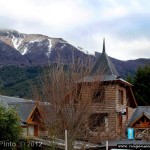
(103, 70)
(104, 66)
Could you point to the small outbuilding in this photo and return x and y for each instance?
(31, 119)
(140, 121)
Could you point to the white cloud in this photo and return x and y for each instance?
(123, 49)
(84, 23)
(117, 48)
(56, 14)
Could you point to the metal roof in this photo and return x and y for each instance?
(9, 99)
(140, 110)
(22, 106)
(24, 109)
(3, 103)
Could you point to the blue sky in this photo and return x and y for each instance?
(125, 24)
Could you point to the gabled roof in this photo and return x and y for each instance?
(104, 66)
(138, 113)
(23, 107)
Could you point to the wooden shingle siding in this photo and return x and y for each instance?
(110, 105)
(130, 112)
(117, 96)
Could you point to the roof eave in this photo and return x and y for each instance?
(30, 114)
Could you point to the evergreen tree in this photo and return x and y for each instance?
(142, 85)
(9, 127)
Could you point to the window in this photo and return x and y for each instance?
(98, 95)
(98, 120)
(120, 96)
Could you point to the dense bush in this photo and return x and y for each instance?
(9, 126)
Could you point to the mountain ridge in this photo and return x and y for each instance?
(39, 50)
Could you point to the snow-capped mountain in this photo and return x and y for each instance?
(25, 42)
(9, 55)
(35, 49)
(39, 49)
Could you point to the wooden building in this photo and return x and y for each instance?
(140, 121)
(31, 119)
(112, 99)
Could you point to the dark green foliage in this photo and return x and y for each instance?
(9, 126)
(130, 79)
(16, 81)
(142, 85)
(20, 81)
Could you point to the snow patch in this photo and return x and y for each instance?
(61, 41)
(63, 46)
(50, 44)
(82, 49)
(37, 40)
(24, 51)
(49, 47)
(16, 42)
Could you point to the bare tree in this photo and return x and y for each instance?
(62, 92)
(68, 108)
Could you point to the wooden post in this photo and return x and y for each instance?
(106, 145)
(66, 142)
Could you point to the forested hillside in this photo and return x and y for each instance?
(25, 57)
(17, 81)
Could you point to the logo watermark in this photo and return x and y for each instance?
(10, 144)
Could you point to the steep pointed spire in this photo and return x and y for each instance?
(103, 45)
(103, 65)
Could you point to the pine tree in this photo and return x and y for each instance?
(142, 85)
